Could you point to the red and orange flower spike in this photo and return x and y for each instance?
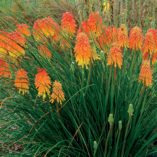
(44, 51)
(149, 44)
(57, 94)
(135, 38)
(115, 56)
(4, 69)
(23, 29)
(94, 23)
(83, 52)
(145, 75)
(42, 83)
(21, 81)
(46, 27)
(68, 23)
(122, 36)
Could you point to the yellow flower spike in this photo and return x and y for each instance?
(83, 51)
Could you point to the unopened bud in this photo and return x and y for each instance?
(131, 110)
(111, 119)
(120, 125)
(95, 146)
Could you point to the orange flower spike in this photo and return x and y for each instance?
(42, 83)
(57, 94)
(68, 23)
(123, 36)
(50, 27)
(154, 32)
(135, 38)
(94, 23)
(115, 56)
(149, 43)
(10, 43)
(21, 81)
(36, 30)
(4, 69)
(45, 27)
(23, 29)
(44, 51)
(83, 52)
(145, 75)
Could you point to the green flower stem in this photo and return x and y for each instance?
(89, 77)
(116, 149)
(107, 140)
(108, 87)
(112, 89)
(125, 136)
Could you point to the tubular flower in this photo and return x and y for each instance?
(23, 29)
(83, 52)
(42, 83)
(44, 51)
(21, 81)
(4, 69)
(94, 23)
(115, 57)
(9, 43)
(149, 43)
(123, 36)
(45, 28)
(68, 23)
(146, 73)
(57, 94)
(135, 38)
